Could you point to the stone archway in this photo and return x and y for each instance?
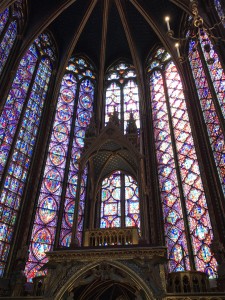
(101, 279)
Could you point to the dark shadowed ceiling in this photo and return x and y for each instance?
(111, 28)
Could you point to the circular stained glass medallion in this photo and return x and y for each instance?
(41, 243)
(67, 95)
(73, 185)
(61, 132)
(57, 155)
(47, 209)
(69, 214)
(205, 253)
(84, 118)
(64, 112)
(52, 181)
(177, 253)
(80, 138)
(86, 101)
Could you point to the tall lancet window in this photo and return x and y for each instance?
(220, 10)
(10, 21)
(120, 205)
(188, 230)
(54, 215)
(122, 94)
(209, 79)
(20, 120)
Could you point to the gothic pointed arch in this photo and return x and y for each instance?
(188, 230)
(104, 272)
(115, 172)
(56, 198)
(122, 93)
(209, 80)
(12, 22)
(20, 122)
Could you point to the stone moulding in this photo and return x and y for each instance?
(107, 253)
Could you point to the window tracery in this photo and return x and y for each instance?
(20, 120)
(122, 94)
(188, 229)
(120, 205)
(56, 201)
(209, 80)
(10, 21)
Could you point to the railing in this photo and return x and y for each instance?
(111, 237)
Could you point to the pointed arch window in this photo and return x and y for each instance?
(120, 205)
(122, 94)
(209, 80)
(56, 200)
(10, 22)
(188, 230)
(20, 120)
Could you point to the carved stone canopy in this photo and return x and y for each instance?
(110, 151)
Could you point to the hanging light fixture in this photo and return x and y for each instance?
(196, 33)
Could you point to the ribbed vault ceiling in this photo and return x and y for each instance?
(105, 30)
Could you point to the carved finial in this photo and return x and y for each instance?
(91, 130)
(114, 118)
(131, 125)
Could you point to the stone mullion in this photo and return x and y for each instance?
(67, 170)
(153, 192)
(179, 179)
(22, 236)
(210, 177)
(76, 209)
(19, 125)
(122, 199)
(20, 233)
(4, 79)
(212, 90)
(122, 107)
(102, 64)
(10, 19)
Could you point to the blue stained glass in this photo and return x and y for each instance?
(83, 116)
(3, 19)
(121, 81)
(49, 201)
(173, 108)
(220, 10)
(14, 103)
(19, 107)
(7, 43)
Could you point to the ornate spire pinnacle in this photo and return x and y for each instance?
(114, 118)
(91, 130)
(131, 125)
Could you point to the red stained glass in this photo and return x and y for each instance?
(20, 159)
(174, 142)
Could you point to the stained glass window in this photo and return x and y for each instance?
(20, 121)
(212, 98)
(9, 30)
(187, 223)
(59, 183)
(122, 94)
(220, 10)
(119, 193)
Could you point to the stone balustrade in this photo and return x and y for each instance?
(111, 237)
